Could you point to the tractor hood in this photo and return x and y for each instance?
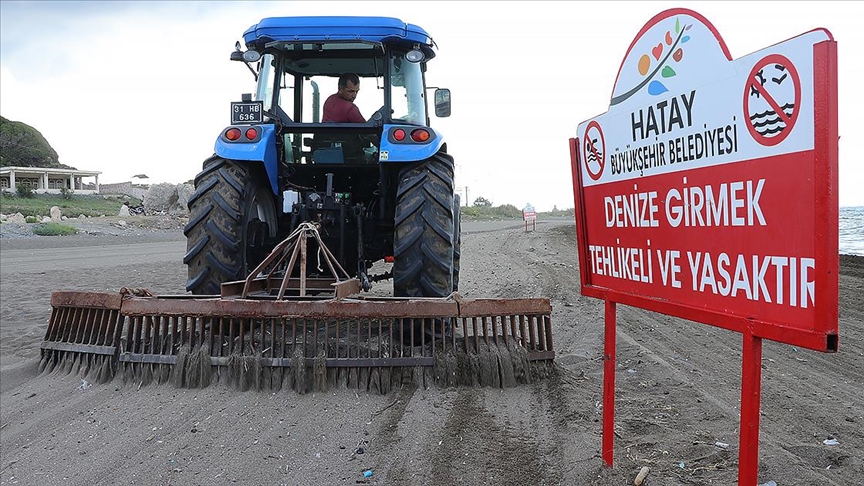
(310, 29)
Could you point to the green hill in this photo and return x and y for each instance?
(23, 146)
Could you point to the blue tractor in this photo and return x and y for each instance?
(379, 190)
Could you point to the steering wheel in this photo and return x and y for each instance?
(378, 117)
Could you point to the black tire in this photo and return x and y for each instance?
(423, 240)
(457, 239)
(232, 221)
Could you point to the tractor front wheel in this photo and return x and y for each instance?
(232, 221)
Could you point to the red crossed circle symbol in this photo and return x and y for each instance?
(594, 157)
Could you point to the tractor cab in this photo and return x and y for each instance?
(297, 73)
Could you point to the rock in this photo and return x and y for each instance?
(121, 223)
(82, 216)
(643, 473)
(184, 192)
(55, 214)
(124, 211)
(45, 219)
(3, 217)
(160, 198)
(63, 218)
(16, 218)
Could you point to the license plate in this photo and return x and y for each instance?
(246, 112)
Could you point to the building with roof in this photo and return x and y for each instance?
(46, 180)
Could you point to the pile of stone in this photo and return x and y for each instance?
(168, 199)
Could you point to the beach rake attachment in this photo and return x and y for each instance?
(276, 330)
(302, 344)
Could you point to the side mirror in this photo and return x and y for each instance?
(442, 102)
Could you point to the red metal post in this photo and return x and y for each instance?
(751, 390)
(609, 383)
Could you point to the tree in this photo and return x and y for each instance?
(482, 202)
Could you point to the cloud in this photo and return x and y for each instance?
(117, 86)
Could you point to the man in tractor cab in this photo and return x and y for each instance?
(340, 107)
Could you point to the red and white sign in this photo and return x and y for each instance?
(529, 216)
(716, 210)
(694, 204)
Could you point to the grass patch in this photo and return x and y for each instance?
(508, 212)
(54, 229)
(71, 206)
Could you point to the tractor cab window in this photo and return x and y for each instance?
(264, 91)
(407, 96)
(306, 74)
(316, 89)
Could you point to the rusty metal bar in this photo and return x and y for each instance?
(142, 358)
(79, 348)
(53, 323)
(94, 325)
(248, 308)
(476, 334)
(494, 323)
(288, 271)
(71, 329)
(541, 334)
(302, 264)
(99, 300)
(262, 287)
(522, 331)
(154, 329)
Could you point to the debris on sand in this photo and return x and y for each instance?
(643, 473)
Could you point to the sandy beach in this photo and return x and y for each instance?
(677, 391)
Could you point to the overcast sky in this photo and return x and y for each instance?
(143, 87)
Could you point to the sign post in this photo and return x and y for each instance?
(529, 216)
(708, 191)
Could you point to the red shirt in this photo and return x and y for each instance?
(341, 111)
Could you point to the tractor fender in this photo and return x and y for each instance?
(407, 150)
(263, 150)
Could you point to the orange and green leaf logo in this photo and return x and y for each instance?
(657, 61)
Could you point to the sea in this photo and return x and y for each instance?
(852, 230)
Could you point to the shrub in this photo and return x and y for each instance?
(31, 219)
(24, 190)
(66, 193)
(54, 229)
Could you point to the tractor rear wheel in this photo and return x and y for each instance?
(457, 239)
(232, 220)
(424, 234)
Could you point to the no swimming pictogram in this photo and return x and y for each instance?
(594, 150)
(772, 99)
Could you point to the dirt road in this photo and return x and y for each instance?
(677, 392)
